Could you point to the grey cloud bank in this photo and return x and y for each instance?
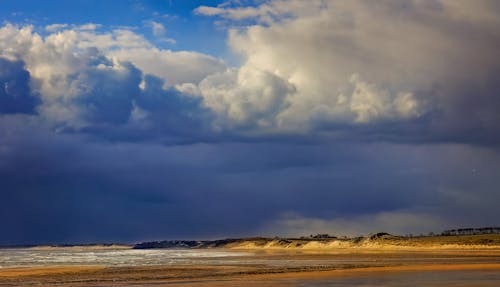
(344, 117)
(72, 189)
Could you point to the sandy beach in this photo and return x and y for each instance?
(459, 267)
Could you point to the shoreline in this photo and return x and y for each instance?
(296, 266)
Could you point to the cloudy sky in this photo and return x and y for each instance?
(154, 119)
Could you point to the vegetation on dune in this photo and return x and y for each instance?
(488, 236)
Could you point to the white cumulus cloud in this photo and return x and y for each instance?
(158, 29)
(85, 77)
(360, 62)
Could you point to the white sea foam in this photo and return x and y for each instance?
(128, 257)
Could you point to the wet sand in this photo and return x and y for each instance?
(342, 268)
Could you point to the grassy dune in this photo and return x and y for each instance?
(377, 241)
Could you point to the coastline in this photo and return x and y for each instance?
(297, 265)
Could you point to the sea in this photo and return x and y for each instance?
(28, 257)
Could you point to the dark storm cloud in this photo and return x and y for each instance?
(15, 92)
(107, 94)
(171, 111)
(109, 104)
(68, 188)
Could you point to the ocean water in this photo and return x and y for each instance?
(10, 258)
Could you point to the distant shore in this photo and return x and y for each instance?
(380, 241)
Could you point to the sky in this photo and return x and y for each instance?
(127, 121)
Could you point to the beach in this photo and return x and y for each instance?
(258, 267)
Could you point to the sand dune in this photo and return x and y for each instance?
(377, 242)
